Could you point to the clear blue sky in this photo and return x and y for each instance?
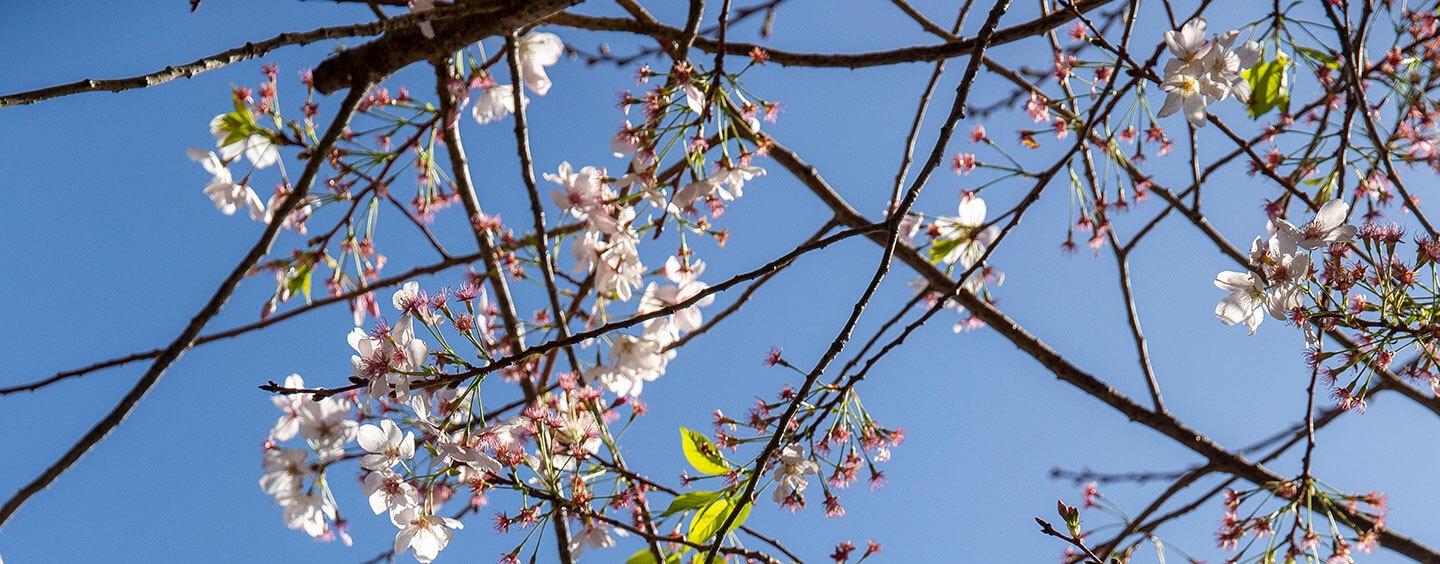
(110, 247)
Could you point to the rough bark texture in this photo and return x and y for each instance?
(399, 48)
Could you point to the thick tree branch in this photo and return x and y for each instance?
(402, 46)
(834, 60)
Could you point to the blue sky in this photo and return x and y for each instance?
(111, 247)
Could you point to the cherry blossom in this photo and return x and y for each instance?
(383, 360)
(256, 147)
(583, 191)
(411, 300)
(1191, 93)
(387, 490)
(327, 424)
(736, 176)
(790, 472)
(1328, 226)
(594, 536)
(285, 471)
(537, 51)
(1204, 71)
(625, 141)
(425, 534)
(686, 286)
(308, 512)
(694, 98)
(687, 195)
(229, 196)
(1187, 44)
(1225, 64)
(494, 103)
(385, 445)
(634, 361)
(618, 269)
(966, 227)
(1246, 302)
(289, 404)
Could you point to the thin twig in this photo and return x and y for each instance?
(187, 337)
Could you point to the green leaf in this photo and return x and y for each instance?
(239, 124)
(1319, 57)
(305, 282)
(692, 500)
(299, 280)
(943, 247)
(706, 522)
(1268, 85)
(644, 557)
(702, 454)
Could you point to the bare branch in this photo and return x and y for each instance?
(186, 338)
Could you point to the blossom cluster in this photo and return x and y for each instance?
(1282, 267)
(1204, 71)
(415, 418)
(232, 139)
(537, 50)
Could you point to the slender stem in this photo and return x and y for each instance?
(187, 336)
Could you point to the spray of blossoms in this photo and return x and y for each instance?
(1204, 71)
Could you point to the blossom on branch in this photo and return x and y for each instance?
(537, 51)
(1204, 71)
(229, 196)
(425, 534)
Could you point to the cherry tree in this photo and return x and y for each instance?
(521, 285)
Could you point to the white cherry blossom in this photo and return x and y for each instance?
(327, 424)
(1190, 93)
(580, 193)
(494, 103)
(1328, 227)
(1224, 64)
(307, 512)
(387, 490)
(790, 472)
(694, 98)
(1204, 71)
(634, 361)
(625, 141)
(383, 360)
(1188, 43)
(289, 404)
(594, 536)
(537, 51)
(285, 471)
(1246, 302)
(425, 534)
(686, 286)
(385, 445)
(966, 227)
(690, 193)
(229, 196)
(736, 176)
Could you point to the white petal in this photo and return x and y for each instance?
(372, 438)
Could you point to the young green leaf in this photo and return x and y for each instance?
(1319, 57)
(688, 501)
(943, 247)
(706, 523)
(702, 454)
(1268, 85)
(644, 557)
